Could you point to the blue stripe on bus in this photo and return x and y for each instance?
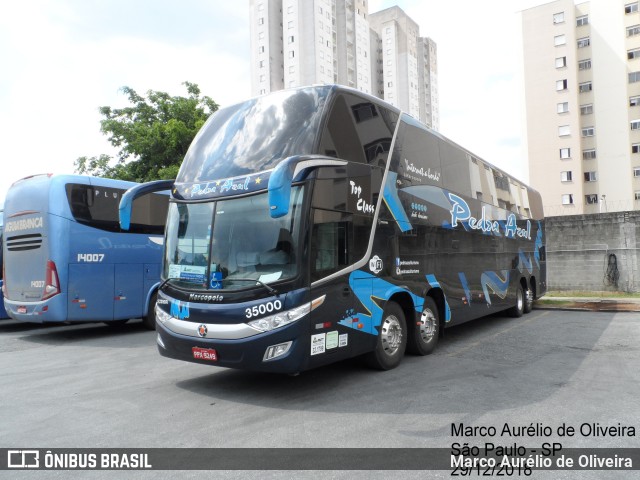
(536, 254)
(433, 282)
(390, 197)
(368, 287)
(465, 286)
(498, 285)
(524, 261)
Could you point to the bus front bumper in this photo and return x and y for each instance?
(246, 353)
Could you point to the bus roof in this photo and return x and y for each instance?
(255, 135)
(34, 193)
(81, 179)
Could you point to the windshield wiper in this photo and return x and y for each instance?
(269, 289)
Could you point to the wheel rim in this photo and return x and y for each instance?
(529, 299)
(391, 335)
(428, 325)
(520, 299)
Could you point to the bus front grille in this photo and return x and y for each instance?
(24, 242)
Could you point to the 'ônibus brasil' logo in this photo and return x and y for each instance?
(461, 213)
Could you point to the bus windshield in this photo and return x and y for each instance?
(232, 244)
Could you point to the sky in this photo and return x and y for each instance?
(63, 59)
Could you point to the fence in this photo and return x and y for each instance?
(593, 252)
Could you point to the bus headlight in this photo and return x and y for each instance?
(280, 319)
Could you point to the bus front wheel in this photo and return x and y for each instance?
(149, 321)
(392, 339)
(423, 336)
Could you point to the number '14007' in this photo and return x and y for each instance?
(90, 257)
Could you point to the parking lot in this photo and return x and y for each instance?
(92, 385)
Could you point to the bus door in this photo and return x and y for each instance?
(342, 217)
(128, 290)
(329, 254)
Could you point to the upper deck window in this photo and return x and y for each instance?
(255, 135)
(358, 131)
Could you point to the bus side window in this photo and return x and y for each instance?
(358, 131)
(337, 240)
(329, 243)
(79, 197)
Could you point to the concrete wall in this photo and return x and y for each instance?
(579, 246)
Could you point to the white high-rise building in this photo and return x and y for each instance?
(267, 61)
(428, 82)
(302, 42)
(398, 40)
(582, 89)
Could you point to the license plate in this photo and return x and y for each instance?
(22, 309)
(204, 354)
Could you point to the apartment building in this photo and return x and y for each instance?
(428, 82)
(582, 92)
(302, 42)
(267, 59)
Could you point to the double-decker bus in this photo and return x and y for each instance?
(316, 224)
(66, 258)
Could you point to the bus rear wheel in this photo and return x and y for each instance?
(149, 321)
(528, 300)
(392, 339)
(518, 309)
(423, 336)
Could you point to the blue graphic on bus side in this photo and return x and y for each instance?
(465, 286)
(498, 285)
(524, 261)
(536, 254)
(390, 197)
(433, 282)
(368, 287)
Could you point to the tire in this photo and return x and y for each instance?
(518, 309)
(528, 301)
(392, 339)
(423, 335)
(149, 321)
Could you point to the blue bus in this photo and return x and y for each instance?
(312, 225)
(66, 258)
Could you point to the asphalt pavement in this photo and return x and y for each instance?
(93, 386)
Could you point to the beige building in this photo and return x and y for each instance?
(303, 42)
(582, 91)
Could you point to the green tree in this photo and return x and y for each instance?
(152, 135)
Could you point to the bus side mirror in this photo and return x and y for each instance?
(126, 202)
(286, 172)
